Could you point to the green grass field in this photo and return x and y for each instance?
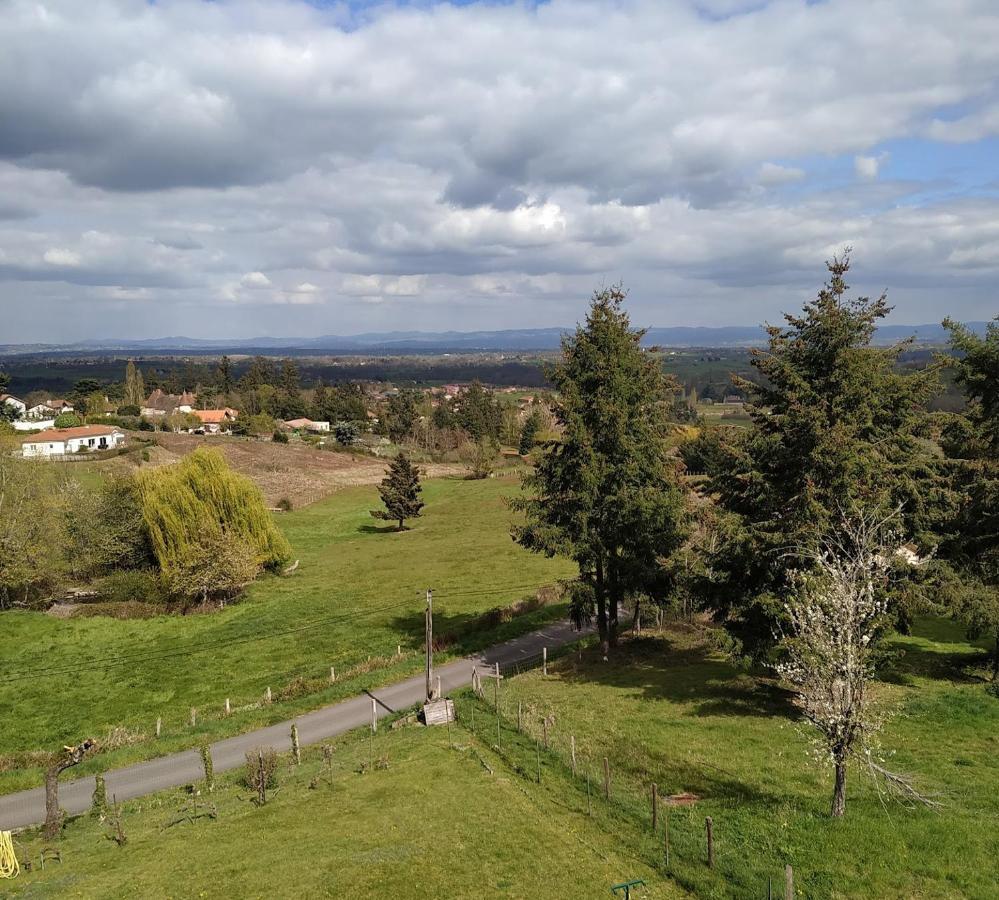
(669, 710)
(436, 822)
(358, 592)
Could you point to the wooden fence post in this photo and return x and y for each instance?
(269, 697)
(520, 716)
(228, 708)
(332, 674)
(194, 717)
(709, 827)
(159, 726)
(666, 834)
(655, 808)
(788, 882)
(374, 715)
(295, 747)
(544, 660)
(572, 750)
(606, 778)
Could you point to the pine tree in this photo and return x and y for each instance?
(607, 494)
(225, 376)
(400, 492)
(529, 433)
(834, 430)
(135, 389)
(973, 439)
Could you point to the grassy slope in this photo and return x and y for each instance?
(348, 567)
(670, 711)
(435, 823)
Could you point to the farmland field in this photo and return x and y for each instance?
(358, 594)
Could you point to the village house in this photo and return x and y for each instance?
(11, 400)
(65, 441)
(307, 425)
(215, 421)
(48, 409)
(160, 403)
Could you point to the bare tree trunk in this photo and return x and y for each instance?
(995, 659)
(612, 605)
(839, 791)
(600, 591)
(53, 815)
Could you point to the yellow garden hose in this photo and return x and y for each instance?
(8, 858)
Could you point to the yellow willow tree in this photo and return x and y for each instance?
(199, 505)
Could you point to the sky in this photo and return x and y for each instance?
(279, 167)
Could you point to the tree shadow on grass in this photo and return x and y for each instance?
(686, 670)
(905, 661)
(380, 529)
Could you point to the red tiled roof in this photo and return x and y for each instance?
(54, 435)
(214, 416)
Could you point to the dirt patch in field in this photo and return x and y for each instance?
(296, 471)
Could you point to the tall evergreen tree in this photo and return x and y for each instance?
(606, 494)
(974, 440)
(400, 492)
(834, 429)
(225, 381)
(529, 433)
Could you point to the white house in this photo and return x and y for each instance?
(11, 400)
(307, 425)
(33, 424)
(64, 441)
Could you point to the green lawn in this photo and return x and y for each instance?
(358, 592)
(666, 709)
(435, 823)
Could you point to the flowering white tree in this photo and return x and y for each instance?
(836, 615)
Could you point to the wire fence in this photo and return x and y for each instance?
(669, 830)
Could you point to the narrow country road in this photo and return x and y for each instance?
(26, 808)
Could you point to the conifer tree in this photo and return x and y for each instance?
(400, 492)
(834, 431)
(607, 494)
(973, 547)
(135, 388)
(529, 433)
(225, 376)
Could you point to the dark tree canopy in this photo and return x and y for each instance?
(606, 494)
(400, 492)
(835, 427)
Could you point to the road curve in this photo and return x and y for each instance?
(26, 808)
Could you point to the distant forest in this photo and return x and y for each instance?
(708, 371)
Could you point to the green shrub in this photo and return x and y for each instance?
(279, 437)
(284, 504)
(200, 501)
(132, 586)
(67, 420)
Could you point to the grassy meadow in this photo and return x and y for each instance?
(428, 821)
(668, 709)
(358, 593)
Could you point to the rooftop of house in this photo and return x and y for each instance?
(54, 435)
(215, 416)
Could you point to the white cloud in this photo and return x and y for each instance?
(255, 280)
(867, 167)
(403, 157)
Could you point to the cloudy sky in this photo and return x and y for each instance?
(289, 168)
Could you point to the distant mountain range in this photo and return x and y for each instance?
(425, 342)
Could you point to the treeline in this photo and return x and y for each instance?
(179, 535)
(59, 377)
(840, 428)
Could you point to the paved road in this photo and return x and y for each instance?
(28, 807)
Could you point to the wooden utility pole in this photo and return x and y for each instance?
(430, 644)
